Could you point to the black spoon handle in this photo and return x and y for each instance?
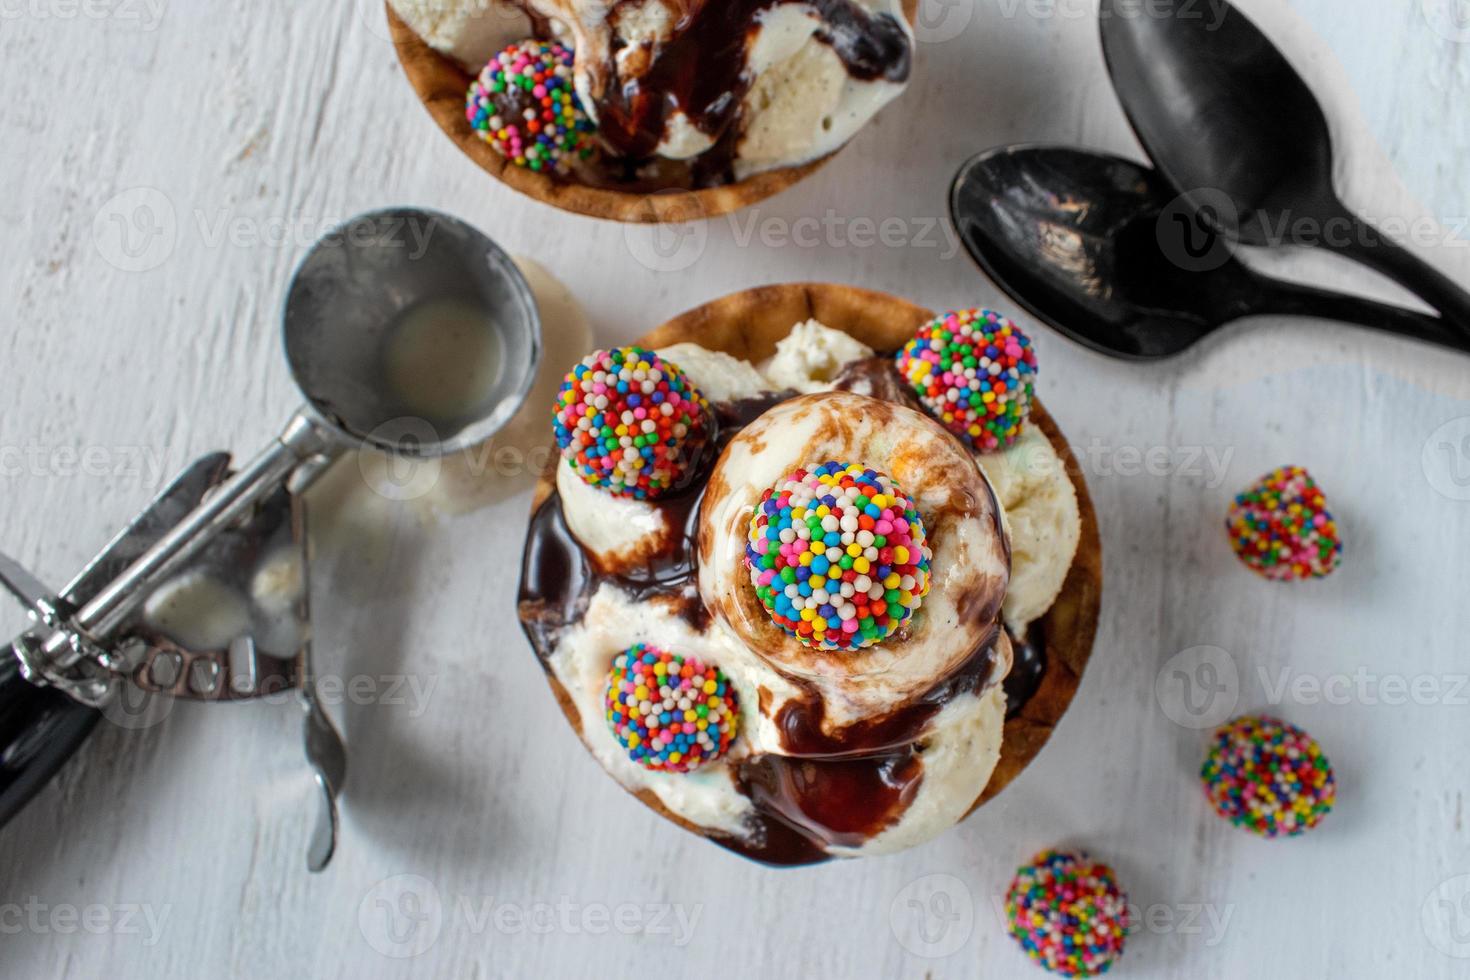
(1289, 299)
(1369, 246)
(39, 730)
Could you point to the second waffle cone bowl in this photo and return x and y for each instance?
(441, 82)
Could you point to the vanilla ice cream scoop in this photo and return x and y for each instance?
(969, 570)
(469, 31)
(748, 83)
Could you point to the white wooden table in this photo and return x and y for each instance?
(251, 128)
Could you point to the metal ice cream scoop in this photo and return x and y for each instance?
(384, 316)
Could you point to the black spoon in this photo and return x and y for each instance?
(1225, 118)
(1102, 250)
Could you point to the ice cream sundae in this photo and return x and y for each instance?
(802, 597)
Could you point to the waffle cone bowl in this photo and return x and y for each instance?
(748, 325)
(441, 84)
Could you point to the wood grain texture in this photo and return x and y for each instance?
(248, 129)
(748, 325)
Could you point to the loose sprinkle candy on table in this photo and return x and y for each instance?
(974, 371)
(1068, 914)
(1268, 777)
(838, 556)
(1281, 528)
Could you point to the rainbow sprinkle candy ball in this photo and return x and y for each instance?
(1281, 529)
(1269, 777)
(670, 713)
(523, 105)
(1068, 913)
(838, 556)
(975, 371)
(630, 422)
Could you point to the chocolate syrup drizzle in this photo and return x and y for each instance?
(828, 788)
(1028, 668)
(701, 71)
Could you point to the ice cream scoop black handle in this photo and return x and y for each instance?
(40, 729)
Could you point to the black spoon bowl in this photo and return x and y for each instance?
(1228, 121)
(1102, 250)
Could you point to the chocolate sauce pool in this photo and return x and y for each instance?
(828, 788)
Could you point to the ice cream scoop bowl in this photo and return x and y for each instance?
(413, 315)
(385, 315)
